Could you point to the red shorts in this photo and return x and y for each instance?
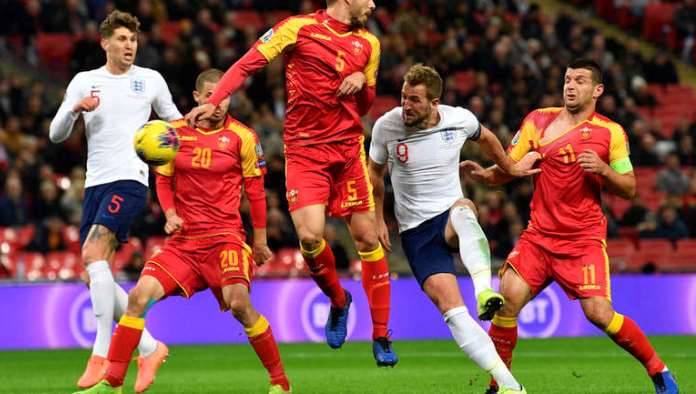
(581, 267)
(333, 174)
(186, 265)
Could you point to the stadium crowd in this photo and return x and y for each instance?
(501, 59)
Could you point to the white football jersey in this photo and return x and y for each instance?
(423, 164)
(125, 103)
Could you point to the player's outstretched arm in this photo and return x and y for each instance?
(493, 175)
(377, 173)
(493, 149)
(623, 185)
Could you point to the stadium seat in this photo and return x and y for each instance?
(657, 245)
(464, 81)
(286, 262)
(62, 265)
(646, 256)
(71, 238)
(686, 244)
(620, 252)
(54, 50)
(153, 244)
(33, 265)
(381, 105)
(245, 20)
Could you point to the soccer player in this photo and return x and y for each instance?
(420, 143)
(114, 101)
(200, 193)
(331, 74)
(582, 151)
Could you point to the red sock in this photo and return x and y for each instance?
(124, 341)
(626, 333)
(375, 281)
(322, 267)
(503, 332)
(264, 344)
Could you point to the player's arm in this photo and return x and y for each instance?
(366, 86)
(275, 41)
(618, 174)
(165, 194)
(70, 109)
(253, 169)
(377, 169)
(163, 104)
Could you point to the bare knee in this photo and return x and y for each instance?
(598, 311)
(516, 293)
(309, 238)
(137, 301)
(366, 241)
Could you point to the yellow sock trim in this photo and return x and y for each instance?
(505, 322)
(258, 328)
(615, 324)
(375, 255)
(133, 322)
(313, 253)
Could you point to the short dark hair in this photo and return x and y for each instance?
(209, 75)
(591, 65)
(118, 19)
(428, 76)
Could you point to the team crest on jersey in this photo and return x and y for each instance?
(357, 47)
(260, 162)
(223, 142)
(447, 135)
(137, 85)
(585, 133)
(516, 138)
(291, 195)
(267, 35)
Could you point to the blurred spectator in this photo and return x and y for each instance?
(13, 207)
(685, 27)
(660, 69)
(645, 154)
(131, 270)
(339, 251)
(48, 236)
(635, 214)
(671, 179)
(670, 226)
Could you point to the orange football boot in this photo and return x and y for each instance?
(96, 368)
(148, 366)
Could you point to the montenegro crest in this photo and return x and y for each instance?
(223, 142)
(585, 133)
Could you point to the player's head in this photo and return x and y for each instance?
(119, 38)
(205, 84)
(420, 95)
(583, 85)
(358, 10)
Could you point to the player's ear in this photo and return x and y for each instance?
(598, 90)
(196, 96)
(104, 43)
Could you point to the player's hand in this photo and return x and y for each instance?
(174, 222)
(524, 167)
(351, 84)
(383, 235)
(592, 163)
(473, 170)
(261, 254)
(199, 113)
(87, 104)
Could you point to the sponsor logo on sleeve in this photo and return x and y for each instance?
(267, 35)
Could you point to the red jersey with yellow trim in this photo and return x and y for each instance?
(566, 201)
(320, 52)
(208, 173)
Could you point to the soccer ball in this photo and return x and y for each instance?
(156, 143)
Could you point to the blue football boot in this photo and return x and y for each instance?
(337, 325)
(383, 352)
(664, 383)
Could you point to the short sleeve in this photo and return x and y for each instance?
(619, 159)
(279, 37)
(524, 140)
(378, 145)
(472, 126)
(251, 153)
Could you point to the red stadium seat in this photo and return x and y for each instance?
(464, 81)
(620, 252)
(656, 245)
(645, 256)
(124, 254)
(71, 238)
(33, 265)
(381, 105)
(287, 262)
(688, 244)
(244, 20)
(62, 265)
(681, 261)
(55, 49)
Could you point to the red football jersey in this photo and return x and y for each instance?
(208, 174)
(567, 200)
(320, 52)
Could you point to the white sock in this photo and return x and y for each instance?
(147, 344)
(101, 291)
(473, 247)
(478, 346)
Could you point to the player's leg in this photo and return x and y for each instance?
(463, 232)
(259, 332)
(127, 334)
(443, 290)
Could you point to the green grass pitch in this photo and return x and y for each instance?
(572, 365)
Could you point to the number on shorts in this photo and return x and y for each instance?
(115, 204)
(229, 260)
(352, 191)
(588, 274)
(402, 153)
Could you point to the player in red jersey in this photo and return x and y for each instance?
(331, 74)
(200, 194)
(582, 151)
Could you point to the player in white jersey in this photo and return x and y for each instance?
(420, 143)
(114, 101)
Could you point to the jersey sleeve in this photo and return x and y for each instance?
(251, 153)
(165, 169)
(372, 66)
(378, 145)
(64, 120)
(281, 36)
(163, 104)
(619, 159)
(525, 140)
(472, 126)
